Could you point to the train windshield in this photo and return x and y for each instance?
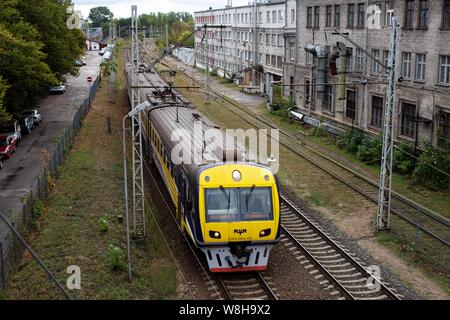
(239, 204)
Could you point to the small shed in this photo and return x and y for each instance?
(92, 45)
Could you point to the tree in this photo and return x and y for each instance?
(4, 115)
(61, 45)
(99, 15)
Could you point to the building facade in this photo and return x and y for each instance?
(422, 111)
(229, 46)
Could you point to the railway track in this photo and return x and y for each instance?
(244, 286)
(421, 218)
(345, 273)
(342, 271)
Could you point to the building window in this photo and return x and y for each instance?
(446, 14)
(351, 15)
(260, 17)
(268, 59)
(327, 99)
(329, 15)
(337, 16)
(280, 16)
(359, 60)
(361, 15)
(409, 14)
(423, 14)
(406, 65)
(389, 9)
(377, 112)
(268, 16)
(444, 128)
(386, 60)
(375, 64)
(349, 59)
(274, 39)
(421, 60)
(309, 17)
(444, 69)
(280, 40)
(350, 109)
(292, 15)
(408, 126)
(274, 17)
(317, 17)
(267, 39)
(261, 38)
(279, 62)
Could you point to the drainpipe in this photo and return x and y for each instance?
(321, 54)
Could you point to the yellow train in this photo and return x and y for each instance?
(230, 209)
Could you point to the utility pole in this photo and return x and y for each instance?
(384, 196)
(138, 172)
(208, 85)
(167, 36)
(255, 41)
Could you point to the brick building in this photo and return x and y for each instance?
(423, 63)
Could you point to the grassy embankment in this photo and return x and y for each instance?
(80, 224)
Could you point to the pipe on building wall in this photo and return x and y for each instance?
(321, 54)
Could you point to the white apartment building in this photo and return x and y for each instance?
(229, 45)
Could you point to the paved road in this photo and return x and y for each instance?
(20, 172)
(250, 100)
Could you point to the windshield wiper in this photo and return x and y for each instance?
(228, 197)
(248, 195)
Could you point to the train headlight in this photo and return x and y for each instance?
(266, 177)
(207, 179)
(265, 233)
(214, 234)
(237, 176)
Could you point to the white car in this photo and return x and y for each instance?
(35, 113)
(61, 89)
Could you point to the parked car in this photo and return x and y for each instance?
(26, 124)
(35, 113)
(8, 145)
(11, 129)
(61, 89)
(80, 62)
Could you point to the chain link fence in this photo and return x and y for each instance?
(22, 220)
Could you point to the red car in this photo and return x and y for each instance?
(7, 146)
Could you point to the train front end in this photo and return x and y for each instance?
(239, 216)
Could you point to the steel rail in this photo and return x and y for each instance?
(336, 247)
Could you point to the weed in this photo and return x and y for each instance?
(116, 257)
(104, 226)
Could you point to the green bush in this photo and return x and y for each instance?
(277, 100)
(370, 150)
(116, 257)
(350, 140)
(429, 177)
(403, 163)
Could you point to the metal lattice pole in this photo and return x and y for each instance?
(384, 197)
(138, 172)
